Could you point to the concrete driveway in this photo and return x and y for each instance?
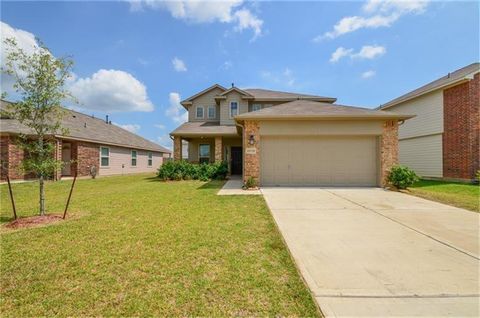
(371, 252)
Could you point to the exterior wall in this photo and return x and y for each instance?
(11, 156)
(193, 145)
(388, 150)
(423, 155)
(225, 107)
(177, 148)
(251, 162)
(120, 161)
(205, 100)
(461, 147)
(429, 115)
(218, 149)
(264, 104)
(86, 156)
(309, 128)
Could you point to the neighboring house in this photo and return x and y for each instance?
(282, 138)
(91, 142)
(442, 141)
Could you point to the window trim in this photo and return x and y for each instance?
(133, 158)
(230, 108)
(209, 151)
(149, 159)
(214, 112)
(196, 112)
(101, 157)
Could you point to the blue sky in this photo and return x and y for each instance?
(135, 61)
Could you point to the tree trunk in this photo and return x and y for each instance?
(42, 196)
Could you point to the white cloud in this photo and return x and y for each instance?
(133, 128)
(176, 111)
(111, 91)
(368, 74)
(226, 65)
(284, 78)
(370, 52)
(340, 53)
(165, 141)
(179, 65)
(366, 52)
(160, 126)
(196, 11)
(379, 13)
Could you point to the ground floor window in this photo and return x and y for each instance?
(150, 159)
(104, 156)
(204, 153)
(134, 158)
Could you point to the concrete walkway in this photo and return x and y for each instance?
(370, 252)
(234, 187)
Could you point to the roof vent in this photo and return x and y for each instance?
(106, 119)
(233, 85)
(85, 125)
(448, 75)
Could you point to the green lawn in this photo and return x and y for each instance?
(147, 248)
(462, 195)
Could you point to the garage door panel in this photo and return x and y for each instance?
(319, 160)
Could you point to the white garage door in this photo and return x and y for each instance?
(318, 161)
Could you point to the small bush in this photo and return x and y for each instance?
(402, 177)
(250, 183)
(184, 170)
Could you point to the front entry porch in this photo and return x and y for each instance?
(212, 149)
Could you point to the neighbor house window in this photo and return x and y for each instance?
(134, 158)
(199, 113)
(233, 109)
(150, 159)
(256, 107)
(204, 153)
(104, 156)
(211, 112)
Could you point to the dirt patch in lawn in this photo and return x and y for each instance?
(34, 221)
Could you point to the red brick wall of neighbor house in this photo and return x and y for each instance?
(87, 155)
(11, 157)
(461, 140)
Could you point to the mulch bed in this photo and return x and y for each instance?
(34, 221)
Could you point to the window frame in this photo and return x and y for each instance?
(196, 112)
(200, 157)
(149, 159)
(102, 156)
(133, 158)
(214, 112)
(260, 106)
(230, 108)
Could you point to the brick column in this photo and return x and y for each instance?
(58, 157)
(218, 149)
(388, 149)
(251, 161)
(177, 148)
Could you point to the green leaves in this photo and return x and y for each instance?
(402, 177)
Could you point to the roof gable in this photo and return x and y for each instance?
(236, 89)
(191, 98)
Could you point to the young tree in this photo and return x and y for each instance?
(39, 83)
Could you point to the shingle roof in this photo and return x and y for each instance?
(304, 109)
(205, 129)
(88, 128)
(446, 80)
(266, 94)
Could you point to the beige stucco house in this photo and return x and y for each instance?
(282, 138)
(443, 140)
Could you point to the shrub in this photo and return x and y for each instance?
(250, 183)
(402, 177)
(183, 170)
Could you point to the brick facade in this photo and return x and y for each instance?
(251, 162)
(461, 137)
(218, 149)
(11, 157)
(177, 148)
(388, 149)
(87, 155)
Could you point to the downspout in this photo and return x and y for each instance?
(243, 150)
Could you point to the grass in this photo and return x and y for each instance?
(461, 195)
(147, 248)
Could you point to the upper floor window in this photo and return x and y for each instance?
(199, 112)
(256, 107)
(211, 112)
(233, 109)
(134, 158)
(150, 159)
(104, 156)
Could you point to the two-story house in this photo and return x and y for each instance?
(282, 138)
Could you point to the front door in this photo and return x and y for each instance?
(236, 160)
(66, 158)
